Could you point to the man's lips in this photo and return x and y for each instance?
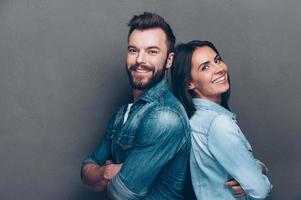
(140, 69)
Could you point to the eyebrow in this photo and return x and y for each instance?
(153, 47)
(204, 63)
(150, 47)
(216, 57)
(207, 62)
(131, 46)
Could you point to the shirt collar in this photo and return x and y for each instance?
(209, 105)
(156, 91)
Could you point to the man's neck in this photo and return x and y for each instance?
(137, 94)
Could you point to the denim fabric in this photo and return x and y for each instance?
(221, 152)
(153, 145)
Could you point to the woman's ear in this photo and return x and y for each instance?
(191, 86)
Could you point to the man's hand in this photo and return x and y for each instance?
(111, 169)
(234, 185)
(93, 177)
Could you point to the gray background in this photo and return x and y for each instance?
(62, 76)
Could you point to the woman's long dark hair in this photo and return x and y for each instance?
(181, 74)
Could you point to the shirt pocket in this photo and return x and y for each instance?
(125, 141)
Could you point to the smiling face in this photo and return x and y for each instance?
(147, 58)
(209, 74)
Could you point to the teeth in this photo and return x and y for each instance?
(141, 70)
(219, 79)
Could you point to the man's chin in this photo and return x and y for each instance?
(140, 85)
(146, 82)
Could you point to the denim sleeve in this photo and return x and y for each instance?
(102, 151)
(160, 136)
(232, 153)
(261, 163)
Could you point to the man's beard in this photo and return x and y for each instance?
(139, 83)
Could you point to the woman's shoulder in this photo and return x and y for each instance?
(223, 119)
(209, 115)
(224, 128)
(201, 120)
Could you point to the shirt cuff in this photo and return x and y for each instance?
(266, 168)
(118, 191)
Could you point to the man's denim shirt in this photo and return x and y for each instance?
(153, 145)
(221, 152)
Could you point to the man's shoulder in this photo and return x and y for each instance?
(162, 122)
(167, 101)
(164, 116)
(166, 110)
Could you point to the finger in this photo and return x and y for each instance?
(237, 189)
(107, 175)
(108, 162)
(240, 195)
(231, 183)
(111, 170)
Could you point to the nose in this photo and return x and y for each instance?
(140, 57)
(219, 68)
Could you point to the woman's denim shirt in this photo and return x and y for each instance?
(221, 152)
(153, 145)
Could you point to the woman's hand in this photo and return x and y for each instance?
(237, 189)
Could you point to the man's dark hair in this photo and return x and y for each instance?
(181, 74)
(149, 20)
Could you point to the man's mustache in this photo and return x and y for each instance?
(142, 67)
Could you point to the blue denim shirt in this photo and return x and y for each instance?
(221, 152)
(153, 145)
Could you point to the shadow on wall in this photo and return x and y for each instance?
(87, 194)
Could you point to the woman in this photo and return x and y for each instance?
(221, 161)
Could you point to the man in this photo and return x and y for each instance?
(145, 149)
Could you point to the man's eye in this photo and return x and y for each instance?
(132, 50)
(153, 52)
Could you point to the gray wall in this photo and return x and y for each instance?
(62, 76)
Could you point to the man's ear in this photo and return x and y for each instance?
(170, 60)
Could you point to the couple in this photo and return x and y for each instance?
(145, 150)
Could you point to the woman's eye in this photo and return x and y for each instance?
(205, 67)
(218, 60)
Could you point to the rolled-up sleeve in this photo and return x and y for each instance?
(160, 136)
(117, 190)
(227, 146)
